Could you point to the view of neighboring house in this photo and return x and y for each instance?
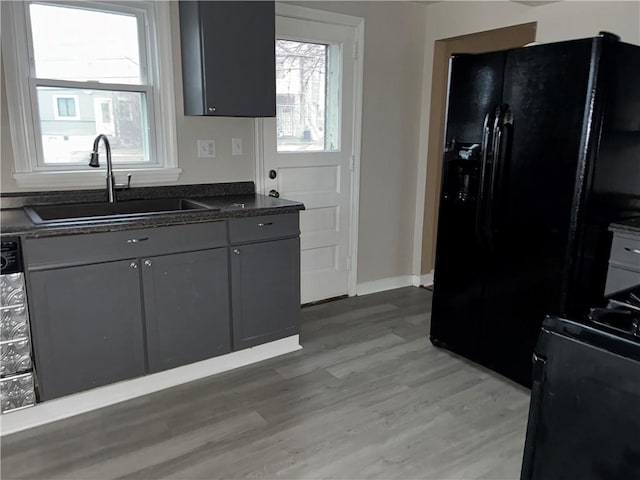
(71, 119)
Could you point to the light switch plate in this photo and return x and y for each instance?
(206, 149)
(236, 146)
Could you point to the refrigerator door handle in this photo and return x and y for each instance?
(496, 141)
(486, 147)
(502, 119)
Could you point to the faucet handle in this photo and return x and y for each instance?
(123, 186)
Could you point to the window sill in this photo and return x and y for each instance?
(96, 178)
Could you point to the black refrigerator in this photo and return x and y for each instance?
(542, 152)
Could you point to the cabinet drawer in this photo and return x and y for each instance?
(11, 290)
(13, 323)
(88, 248)
(620, 279)
(17, 392)
(625, 251)
(267, 227)
(15, 356)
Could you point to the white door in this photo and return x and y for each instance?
(309, 147)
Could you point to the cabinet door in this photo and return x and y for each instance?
(265, 282)
(186, 299)
(228, 58)
(87, 326)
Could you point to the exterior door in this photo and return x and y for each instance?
(309, 147)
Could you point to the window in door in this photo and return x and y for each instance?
(307, 96)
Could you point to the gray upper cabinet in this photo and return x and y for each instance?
(87, 326)
(228, 58)
(186, 299)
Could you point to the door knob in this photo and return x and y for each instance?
(274, 193)
(147, 263)
(133, 265)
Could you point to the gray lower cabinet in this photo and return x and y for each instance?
(87, 326)
(186, 300)
(265, 291)
(111, 306)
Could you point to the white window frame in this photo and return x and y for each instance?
(23, 109)
(56, 107)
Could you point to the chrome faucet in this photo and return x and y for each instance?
(95, 162)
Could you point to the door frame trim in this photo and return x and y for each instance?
(357, 23)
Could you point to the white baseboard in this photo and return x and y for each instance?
(82, 402)
(426, 279)
(384, 284)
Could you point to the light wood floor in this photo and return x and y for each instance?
(367, 397)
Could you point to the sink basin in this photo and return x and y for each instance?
(91, 212)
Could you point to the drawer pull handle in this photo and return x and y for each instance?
(265, 224)
(137, 240)
(632, 250)
(148, 263)
(133, 265)
(236, 251)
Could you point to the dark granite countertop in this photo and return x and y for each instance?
(231, 200)
(630, 226)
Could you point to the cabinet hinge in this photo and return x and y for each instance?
(355, 50)
(352, 162)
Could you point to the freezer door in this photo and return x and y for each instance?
(475, 87)
(546, 89)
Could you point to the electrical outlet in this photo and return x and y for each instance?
(206, 149)
(236, 146)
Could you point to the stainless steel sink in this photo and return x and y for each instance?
(92, 212)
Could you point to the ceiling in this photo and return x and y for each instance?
(529, 3)
(534, 3)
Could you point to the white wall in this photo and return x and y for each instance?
(559, 21)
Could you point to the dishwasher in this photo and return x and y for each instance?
(17, 386)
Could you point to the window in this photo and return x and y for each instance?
(307, 99)
(88, 68)
(65, 108)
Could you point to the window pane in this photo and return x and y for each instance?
(66, 107)
(119, 115)
(78, 44)
(302, 111)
